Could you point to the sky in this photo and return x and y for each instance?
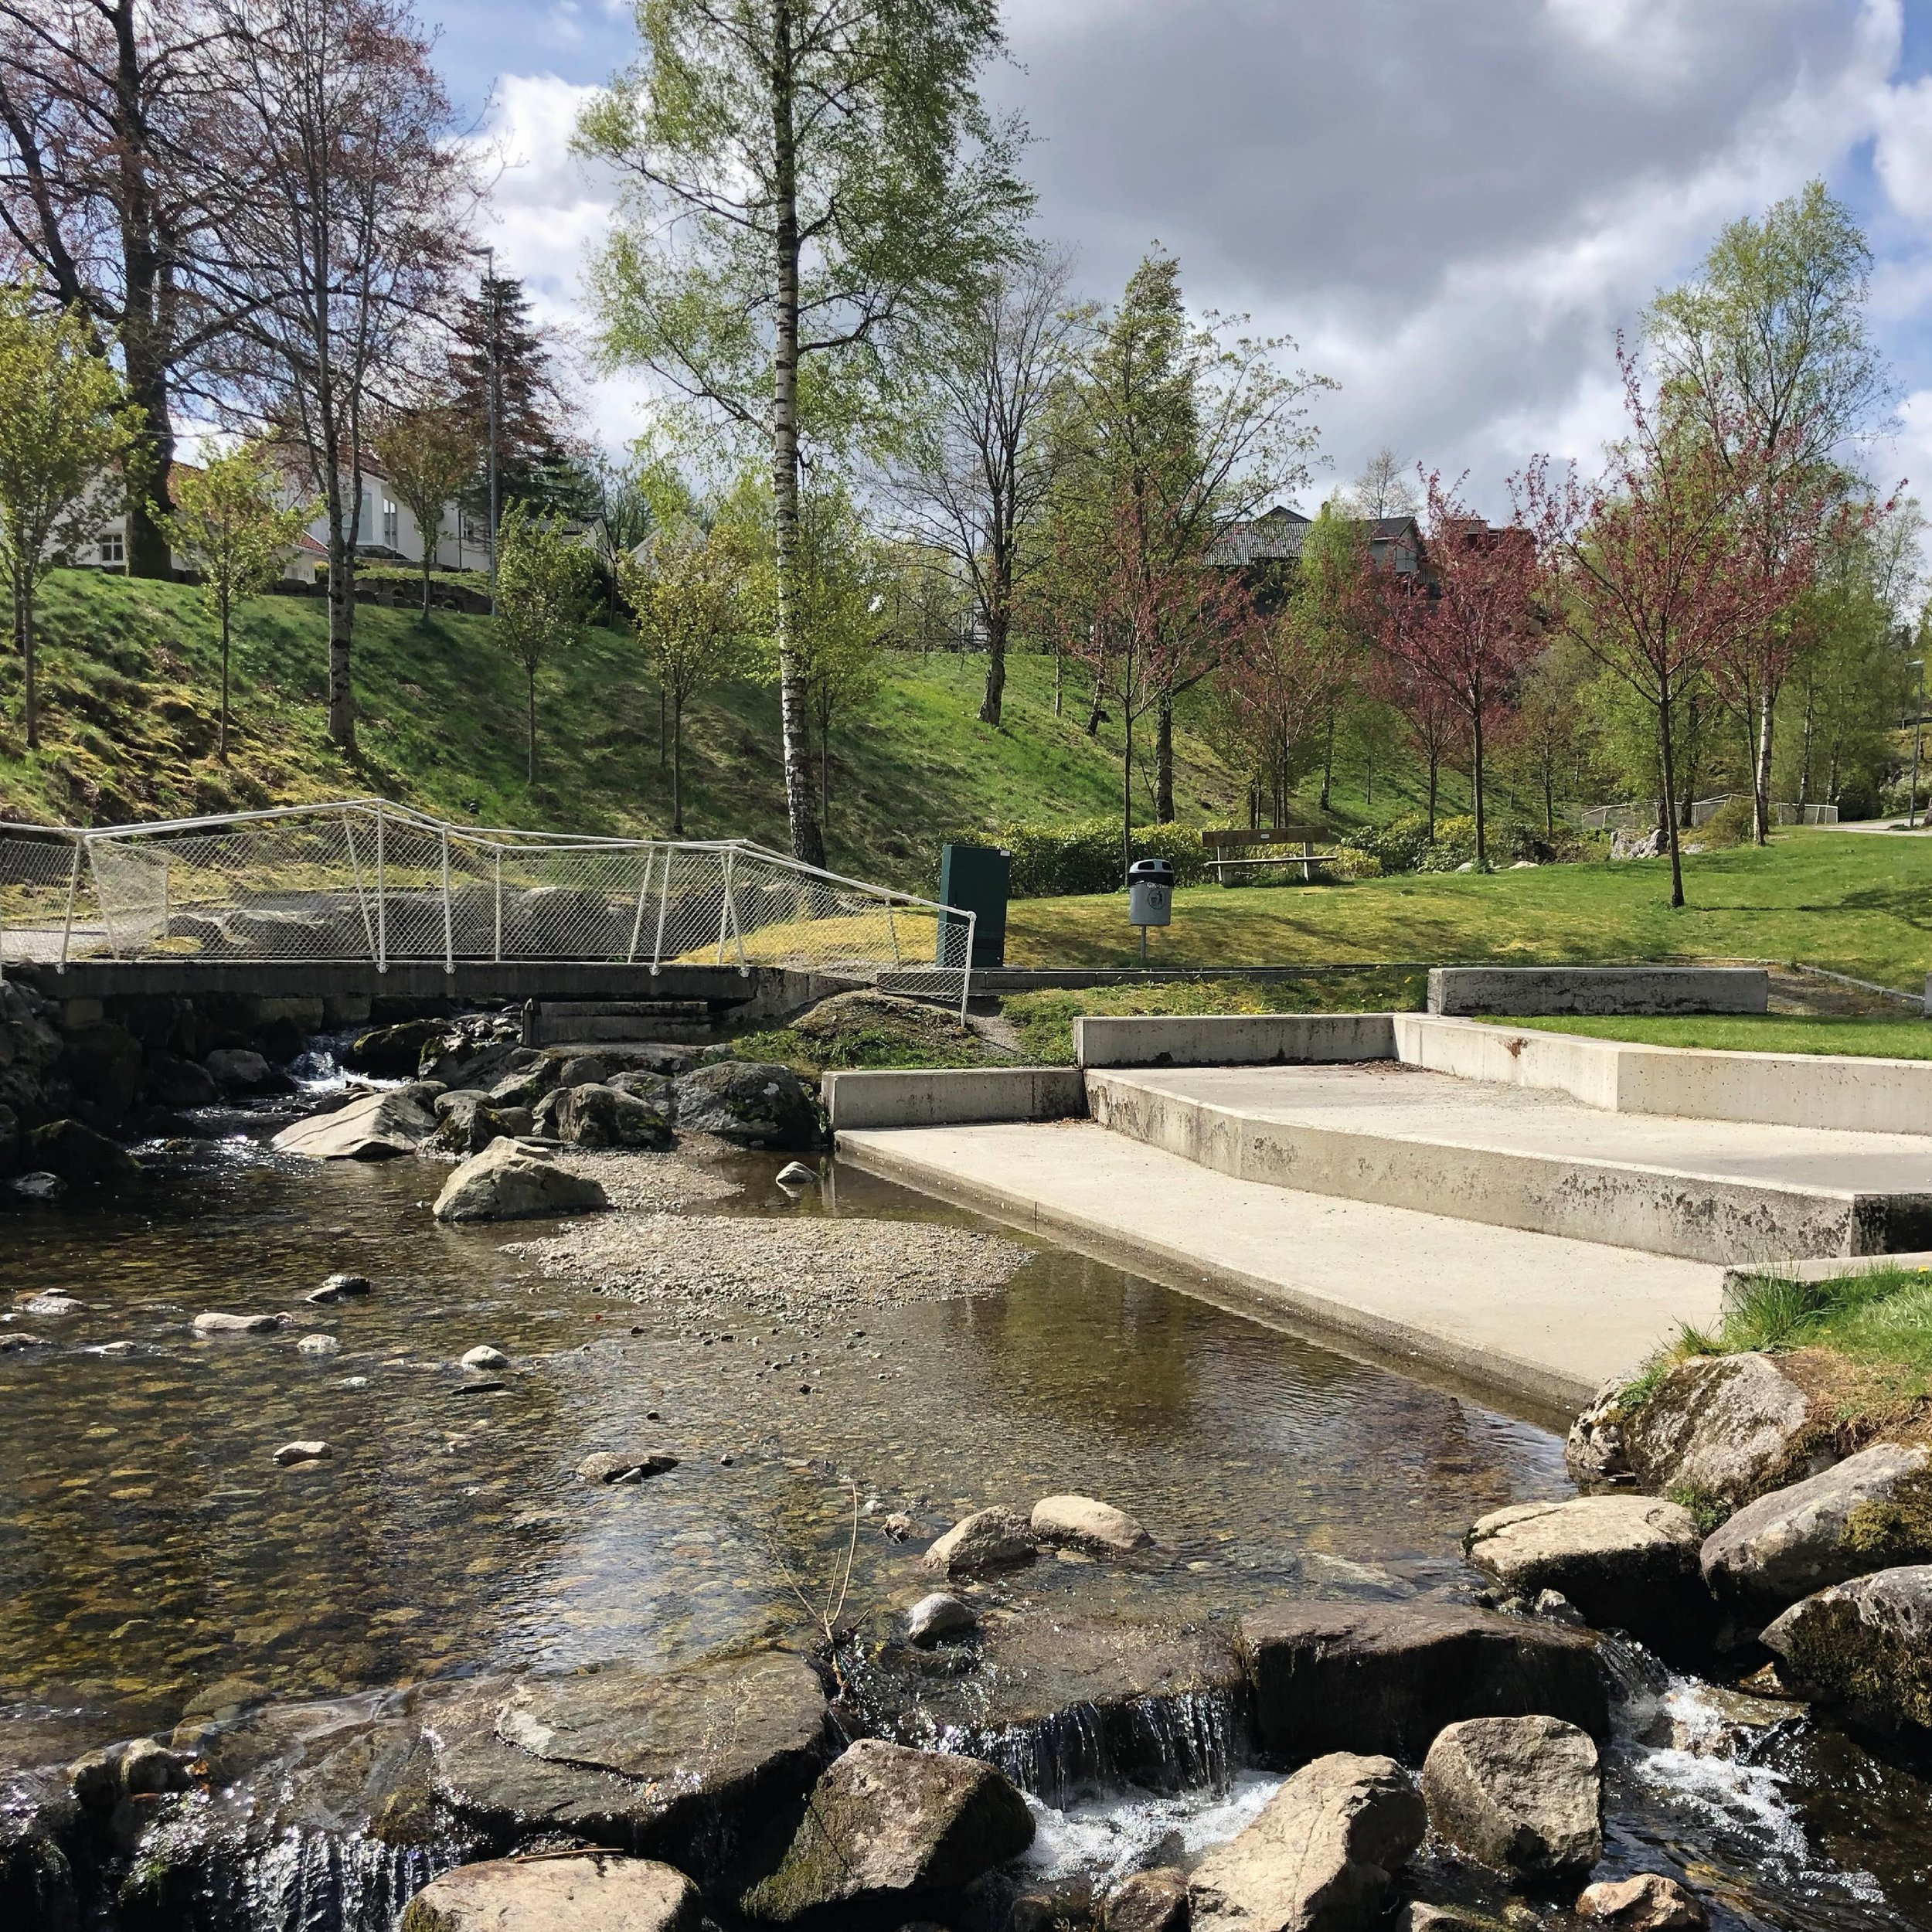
(1452, 208)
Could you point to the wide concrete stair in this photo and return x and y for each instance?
(1721, 1191)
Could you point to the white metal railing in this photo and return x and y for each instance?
(1643, 812)
(363, 880)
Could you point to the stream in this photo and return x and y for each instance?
(155, 1562)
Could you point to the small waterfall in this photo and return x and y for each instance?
(309, 1881)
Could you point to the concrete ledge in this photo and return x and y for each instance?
(951, 1096)
(1843, 1092)
(1832, 1268)
(1534, 991)
(1235, 1039)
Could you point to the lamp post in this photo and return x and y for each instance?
(1918, 731)
(492, 401)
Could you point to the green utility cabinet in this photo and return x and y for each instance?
(973, 879)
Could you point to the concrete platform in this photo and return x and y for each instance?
(1540, 1320)
(950, 1096)
(1713, 1190)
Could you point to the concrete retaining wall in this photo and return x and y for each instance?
(1831, 1090)
(953, 1097)
(1534, 991)
(1235, 1039)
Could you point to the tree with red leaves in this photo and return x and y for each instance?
(1461, 633)
(1655, 567)
(1432, 721)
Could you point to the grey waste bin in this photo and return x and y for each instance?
(1150, 892)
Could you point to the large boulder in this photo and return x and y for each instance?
(9, 1141)
(515, 1181)
(1727, 1427)
(1078, 1522)
(1154, 1900)
(377, 1126)
(1864, 1646)
(887, 1823)
(101, 1065)
(749, 1104)
(466, 1123)
(1627, 1562)
(1648, 1903)
(603, 1117)
(1872, 1512)
(78, 1154)
(988, 1539)
(588, 1891)
(1320, 1857)
(240, 1070)
(1389, 1676)
(681, 1764)
(1524, 1794)
(393, 1052)
(167, 1080)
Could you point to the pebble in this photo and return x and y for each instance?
(293, 1452)
(486, 1358)
(319, 1344)
(355, 1382)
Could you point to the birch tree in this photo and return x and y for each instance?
(543, 590)
(806, 183)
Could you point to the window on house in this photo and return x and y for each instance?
(114, 547)
(390, 524)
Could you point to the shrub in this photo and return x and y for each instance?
(1398, 846)
(1731, 824)
(1052, 861)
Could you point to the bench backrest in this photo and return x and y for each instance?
(1266, 835)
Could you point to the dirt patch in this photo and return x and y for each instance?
(788, 1269)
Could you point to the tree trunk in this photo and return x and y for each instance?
(996, 630)
(807, 841)
(1368, 779)
(1670, 791)
(23, 629)
(342, 609)
(1475, 786)
(150, 463)
(824, 770)
(530, 776)
(221, 741)
(677, 761)
(1327, 765)
(1435, 772)
(1549, 800)
(1059, 668)
(1804, 764)
(1100, 687)
(426, 583)
(1164, 760)
(1761, 766)
(1127, 793)
(662, 726)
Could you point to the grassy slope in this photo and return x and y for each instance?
(1857, 905)
(129, 679)
(1905, 1038)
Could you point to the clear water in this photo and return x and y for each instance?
(153, 1558)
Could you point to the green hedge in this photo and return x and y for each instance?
(1054, 862)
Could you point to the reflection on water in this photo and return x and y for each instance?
(154, 1561)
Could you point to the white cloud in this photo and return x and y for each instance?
(1902, 157)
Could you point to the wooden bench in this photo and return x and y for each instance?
(1221, 844)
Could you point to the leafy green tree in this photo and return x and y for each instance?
(686, 588)
(230, 526)
(807, 184)
(65, 427)
(544, 580)
(843, 578)
(428, 453)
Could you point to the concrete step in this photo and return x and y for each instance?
(1541, 1320)
(554, 1022)
(1716, 1191)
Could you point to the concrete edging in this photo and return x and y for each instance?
(952, 1096)
(1233, 1039)
(1540, 991)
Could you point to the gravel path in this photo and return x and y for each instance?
(788, 1269)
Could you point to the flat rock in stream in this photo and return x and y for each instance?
(1389, 1676)
(678, 1763)
(378, 1127)
(1080, 1523)
(589, 1892)
(513, 1181)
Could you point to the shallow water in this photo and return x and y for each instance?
(155, 1560)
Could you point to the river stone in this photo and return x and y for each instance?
(239, 1070)
(1419, 1915)
(587, 1892)
(79, 1156)
(467, 1124)
(750, 1103)
(1649, 1903)
(887, 1822)
(319, 1344)
(796, 1174)
(1731, 1426)
(18, 1342)
(377, 1126)
(1864, 1646)
(215, 1322)
(988, 1539)
(290, 1453)
(1627, 1562)
(526, 1086)
(1524, 1794)
(167, 1081)
(512, 1181)
(596, 1116)
(48, 1305)
(486, 1357)
(394, 1053)
(938, 1617)
(1390, 1676)
(604, 1467)
(1152, 1901)
(1321, 1857)
(673, 1763)
(1872, 1512)
(1078, 1522)
(351, 1285)
(39, 1185)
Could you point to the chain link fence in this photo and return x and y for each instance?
(1640, 816)
(365, 880)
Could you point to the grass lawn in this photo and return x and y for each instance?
(1904, 1038)
(1856, 905)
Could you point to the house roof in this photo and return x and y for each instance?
(1276, 536)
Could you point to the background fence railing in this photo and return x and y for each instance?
(1641, 813)
(363, 879)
